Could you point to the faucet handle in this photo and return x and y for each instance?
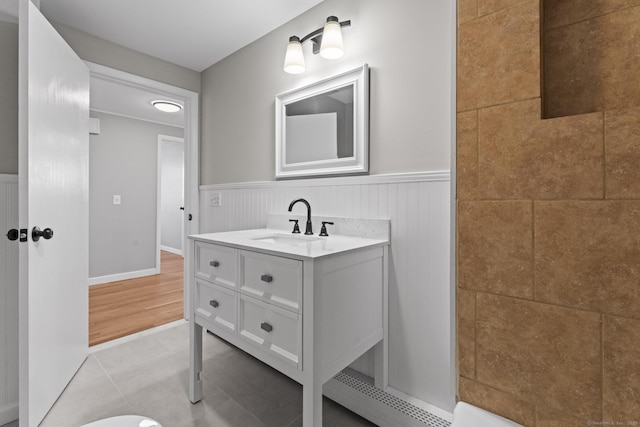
(296, 228)
(323, 230)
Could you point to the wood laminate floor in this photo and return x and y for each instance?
(122, 308)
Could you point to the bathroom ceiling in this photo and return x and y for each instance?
(122, 100)
(191, 33)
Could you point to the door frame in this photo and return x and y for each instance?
(161, 139)
(190, 101)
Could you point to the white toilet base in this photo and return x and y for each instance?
(125, 421)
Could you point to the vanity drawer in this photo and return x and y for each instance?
(276, 331)
(216, 305)
(273, 279)
(216, 264)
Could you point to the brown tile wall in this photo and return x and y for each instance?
(548, 220)
(591, 56)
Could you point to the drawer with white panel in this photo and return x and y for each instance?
(276, 331)
(216, 264)
(273, 279)
(216, 306)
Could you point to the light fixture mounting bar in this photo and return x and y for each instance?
(316, 36)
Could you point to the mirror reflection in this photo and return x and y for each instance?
(320, 127)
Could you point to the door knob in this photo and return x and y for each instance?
(13, 234)
(36, 234)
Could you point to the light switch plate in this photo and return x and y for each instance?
(116, 199)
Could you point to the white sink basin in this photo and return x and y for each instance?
(286, 239)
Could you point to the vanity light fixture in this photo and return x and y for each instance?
(166, 106)
(327, 41)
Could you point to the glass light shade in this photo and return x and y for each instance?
(294, 59)
(331, 46)
(167, 106)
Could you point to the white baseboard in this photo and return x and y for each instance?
(172, 250)
(122, 276)
(8, 413)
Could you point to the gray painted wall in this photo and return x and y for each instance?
(99, 51)
(9, 96)
(407, 44)
(89, 48)
(123, 160)
(171, 193)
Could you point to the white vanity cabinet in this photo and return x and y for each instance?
(308, 309)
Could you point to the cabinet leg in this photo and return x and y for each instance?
(195, 361)
(312, 405)
(381, 373)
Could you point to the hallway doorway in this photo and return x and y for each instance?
(121, 305)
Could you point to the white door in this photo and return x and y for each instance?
(53, 193)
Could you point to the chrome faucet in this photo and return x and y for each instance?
(308, 228)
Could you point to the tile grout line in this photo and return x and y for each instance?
(237, 402)
(132, 339)
(602, 320)
(113, 383)
(475, 335)
(604, 155)
(583, 20)
(477, 172)
(501, 9)
(294, 420)
(509, 102)
(533, 249)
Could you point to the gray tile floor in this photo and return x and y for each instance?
(149, 376)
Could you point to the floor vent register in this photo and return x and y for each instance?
(398, 410)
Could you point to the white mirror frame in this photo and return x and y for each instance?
(359, 163)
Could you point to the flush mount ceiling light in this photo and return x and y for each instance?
(327, 41)
(166, 106)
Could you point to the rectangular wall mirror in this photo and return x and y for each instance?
(323, 128)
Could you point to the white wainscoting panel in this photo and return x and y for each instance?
(420, 306)
(8, 300)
